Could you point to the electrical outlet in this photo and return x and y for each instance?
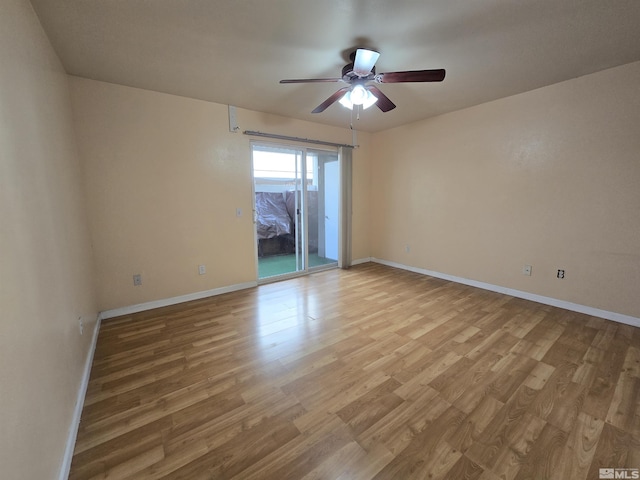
(238, 212)
(407, 248)
(137, 280)
(560, 274)
(80, 325)
(526, 270)
(202, 269)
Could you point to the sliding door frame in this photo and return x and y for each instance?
(304, 214)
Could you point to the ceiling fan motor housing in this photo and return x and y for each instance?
(347, 72)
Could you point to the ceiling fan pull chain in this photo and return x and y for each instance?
(354, 133)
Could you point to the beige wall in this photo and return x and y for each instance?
(164, 178)
(549, 178)
(46, 273)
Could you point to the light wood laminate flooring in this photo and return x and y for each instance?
(368, 373)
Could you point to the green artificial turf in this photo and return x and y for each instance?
(280, 264)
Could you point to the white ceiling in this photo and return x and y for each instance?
(235, 51)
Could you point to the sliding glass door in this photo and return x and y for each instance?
(296, 209)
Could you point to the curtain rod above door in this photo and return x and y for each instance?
(295, 139)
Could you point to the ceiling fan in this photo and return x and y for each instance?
(361, 76)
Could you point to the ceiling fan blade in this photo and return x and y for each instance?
(333, 98)
(383, 102)
(364, 61)
(412, 76)
(311, 80)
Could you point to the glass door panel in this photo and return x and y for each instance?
(323, 207)
(277, 174)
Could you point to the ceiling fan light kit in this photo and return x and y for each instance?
(358, 95)
(358, 75)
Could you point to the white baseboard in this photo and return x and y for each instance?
(141, 307)
(575, 307)
(361, 260)
(77, 411)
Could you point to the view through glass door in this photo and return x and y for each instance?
(296, 209)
